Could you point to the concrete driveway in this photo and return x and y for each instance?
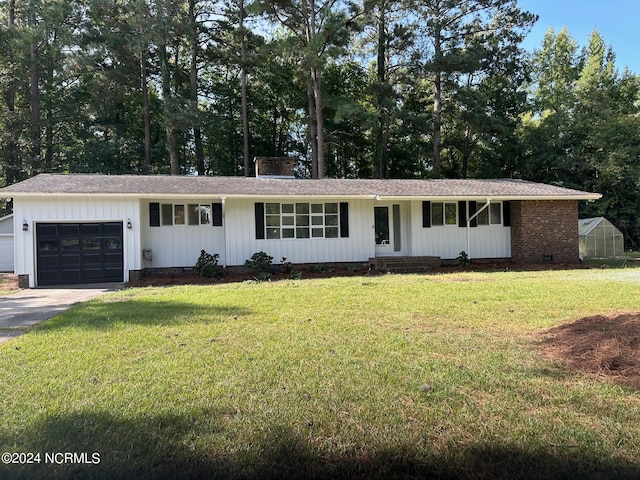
(26, 308)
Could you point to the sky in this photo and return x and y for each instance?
(618, 21)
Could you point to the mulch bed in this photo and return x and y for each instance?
(607, 345)
(306, 272)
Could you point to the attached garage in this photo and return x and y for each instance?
(78, 253)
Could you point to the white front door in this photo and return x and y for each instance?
(387, 230)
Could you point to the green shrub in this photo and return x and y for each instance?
(463, 259)
(261, 264)
(207, 265)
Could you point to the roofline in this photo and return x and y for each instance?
(586, 196)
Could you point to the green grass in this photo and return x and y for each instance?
(435, 376)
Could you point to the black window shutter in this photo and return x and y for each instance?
(473, 208)
(216, 214)
(259, 221)
(344, 219)
(426, 214)
(154, 214)
(462, 213)
(506, 214)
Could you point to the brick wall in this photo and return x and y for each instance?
(544, 231)
(275, 166)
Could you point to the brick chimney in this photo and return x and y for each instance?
(275, 167)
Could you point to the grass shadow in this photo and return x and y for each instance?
(97, 315)
(170, 446)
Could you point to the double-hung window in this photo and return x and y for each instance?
(444, 213)
(492, 215)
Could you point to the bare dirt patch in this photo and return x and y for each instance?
(607, 345)
(8, 281)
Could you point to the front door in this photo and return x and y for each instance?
(387, 230)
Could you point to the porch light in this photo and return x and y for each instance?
(25, 226)
(129, 224)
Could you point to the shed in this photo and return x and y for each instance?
(598, 237)
(6, 244)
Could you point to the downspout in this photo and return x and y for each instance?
(484, 207)
(224, 232)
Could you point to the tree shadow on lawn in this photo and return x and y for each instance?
(107, 314)
(167, 447)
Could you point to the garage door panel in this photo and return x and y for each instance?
(70, 260)
(69, 229)
(48, 261)
(70, 276)
(71, 253)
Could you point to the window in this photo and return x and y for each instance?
(191, 214)
(199, 214)
(443, 213)
(492, 215)
(301, 220)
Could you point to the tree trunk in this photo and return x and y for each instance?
(312, 129)
(169, 121)
(437, 125)
(382, 135)
(317, 96)
(146, 116)
(193, 83)
(245, 106)
(13, 169)
(34, 83)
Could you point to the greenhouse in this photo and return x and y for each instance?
(599, 238)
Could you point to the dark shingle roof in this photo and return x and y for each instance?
(164, 185)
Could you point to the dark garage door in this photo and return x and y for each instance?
(72, 253)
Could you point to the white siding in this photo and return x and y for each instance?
(6, 252)
(448, 241)
(241, 242)
(179, 245)
(69, 209)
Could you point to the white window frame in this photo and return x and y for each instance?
(445, 221)
(185, 214)
(302, 220)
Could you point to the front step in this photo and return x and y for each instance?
(405, 264)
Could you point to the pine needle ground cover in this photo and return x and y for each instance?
(398, 376)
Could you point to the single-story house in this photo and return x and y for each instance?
(81, 228)
(6, 244)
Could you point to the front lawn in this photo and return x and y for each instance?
(415, 376)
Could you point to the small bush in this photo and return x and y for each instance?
(463, 259)
(207, 265)
(289, 270)
(261, 264)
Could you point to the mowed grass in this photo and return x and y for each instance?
(434, 376)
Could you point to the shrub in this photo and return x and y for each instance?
(207, 265)
(261, 264)
(463, 259)
(289, 270)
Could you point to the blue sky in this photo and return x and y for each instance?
(618, 21)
